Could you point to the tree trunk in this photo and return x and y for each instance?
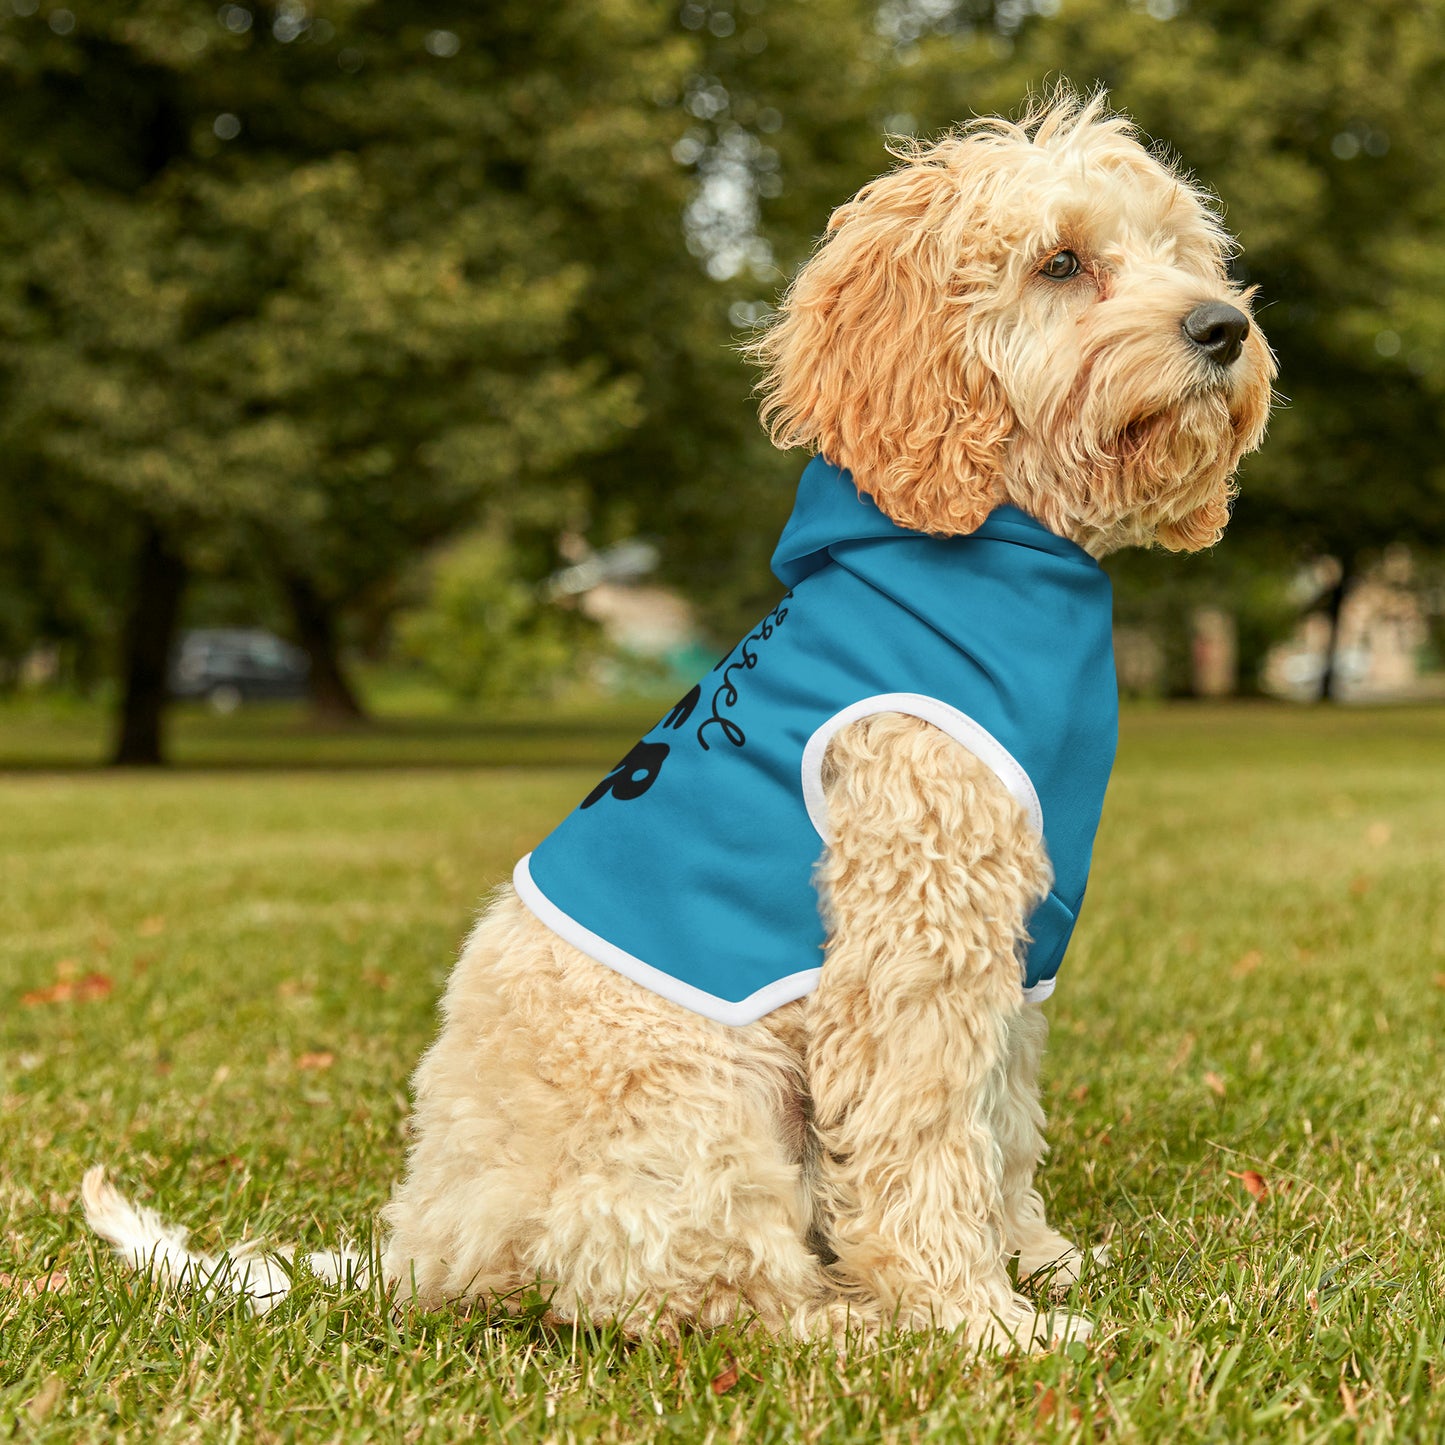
(150, 629)
(333, 699)
(1329, 675)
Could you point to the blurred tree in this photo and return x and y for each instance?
(58, 573)
(780, 114)
(306, 280)
(326, 283)
(1313, 120)
(479, 631)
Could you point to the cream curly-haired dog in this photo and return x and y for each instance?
(1033, 317)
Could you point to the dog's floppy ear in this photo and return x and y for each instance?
(871, 361)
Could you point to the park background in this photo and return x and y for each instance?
(408, 333)
(414, 339)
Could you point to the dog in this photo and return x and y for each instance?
(755, 1035)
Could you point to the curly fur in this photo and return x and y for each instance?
(865, 1156)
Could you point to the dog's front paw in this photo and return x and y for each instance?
(1023, 1326)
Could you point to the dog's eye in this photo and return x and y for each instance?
(1061, 266)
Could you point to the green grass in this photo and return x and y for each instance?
(412, 727)
(1256, 985)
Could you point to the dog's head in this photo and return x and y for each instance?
(1036, 313)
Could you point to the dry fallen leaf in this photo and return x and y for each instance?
(724, 1382)
(321, 1059)
(1360, 885)
(56, 993)
(1214, 1083)
(56, 1282)
(1254, 1182)
(1046, 1408)
(82, 990)
(1440, 980)
(1247, 965)
(46, 1398)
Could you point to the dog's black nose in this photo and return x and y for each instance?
(1217, 330)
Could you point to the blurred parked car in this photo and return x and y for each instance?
(230, 665)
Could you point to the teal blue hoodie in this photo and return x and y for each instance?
(689, 867)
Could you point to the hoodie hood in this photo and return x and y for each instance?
(830, 513)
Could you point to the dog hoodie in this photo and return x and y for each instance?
(689, 867)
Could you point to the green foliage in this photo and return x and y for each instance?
(59, 572)
(484, 633)
(1316, 123)
(323, 284)
(314, 290)
(778, 120)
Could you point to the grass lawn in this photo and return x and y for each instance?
(216, 980)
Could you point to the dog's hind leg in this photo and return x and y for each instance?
(577, 1135)
(681, 1198)
(927, 883)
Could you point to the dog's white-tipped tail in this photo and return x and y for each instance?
(147, 1243)
(139, 1235)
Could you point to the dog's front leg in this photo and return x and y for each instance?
(930, 874)
(1042, 1251)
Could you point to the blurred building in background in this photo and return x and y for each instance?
(1382, 645)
